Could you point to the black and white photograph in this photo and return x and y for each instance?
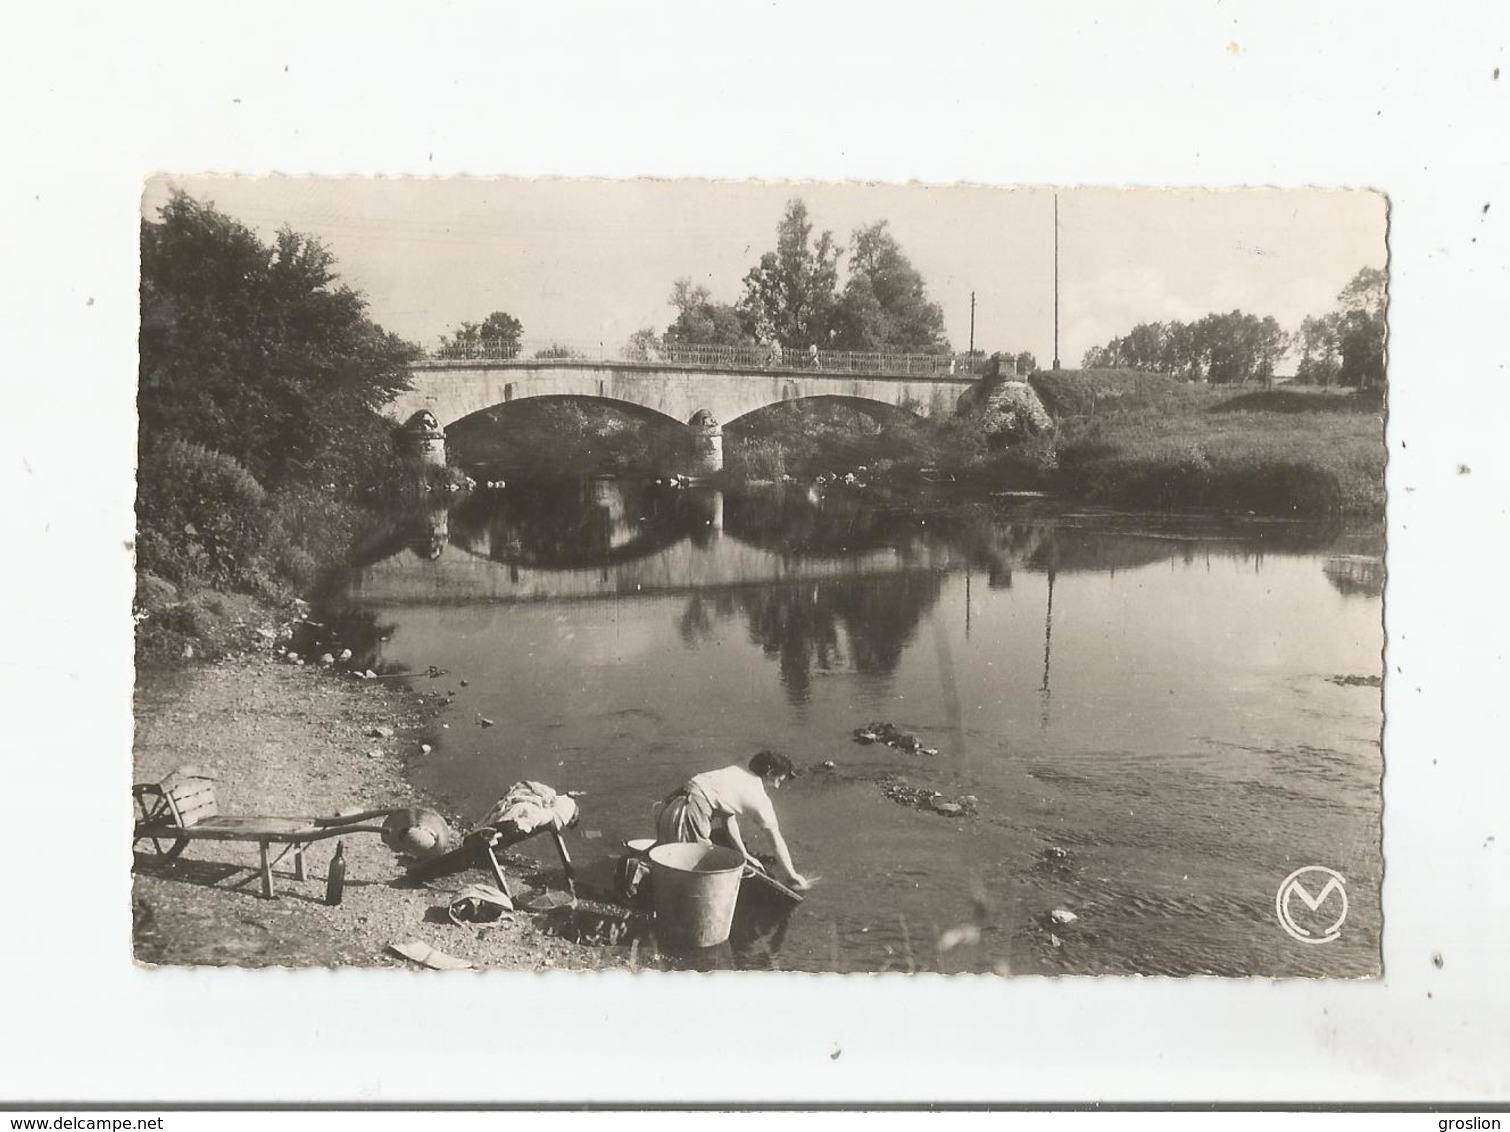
(761, 557)
(805, 577)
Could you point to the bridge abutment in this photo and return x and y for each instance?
(708, 443)
(423, 437)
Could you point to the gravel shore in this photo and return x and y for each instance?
(281, 739)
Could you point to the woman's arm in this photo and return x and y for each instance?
(784, 856)
(731, 827)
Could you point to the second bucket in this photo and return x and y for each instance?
(695, 889)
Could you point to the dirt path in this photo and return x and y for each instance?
(280, 739)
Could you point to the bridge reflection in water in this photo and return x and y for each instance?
(606, 537)
(609, 538)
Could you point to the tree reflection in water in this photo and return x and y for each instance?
(866, 623)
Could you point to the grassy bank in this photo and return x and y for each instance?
(1118, 438)
(1139, 440)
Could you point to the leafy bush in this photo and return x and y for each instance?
(199, 514)
(761, 459)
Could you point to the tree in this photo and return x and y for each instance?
(1240, 347)
(1317, 342)
(1026, 363)
(257, 350)
(644, 345)
(1346, 345)
(885, 304)
(790, 295)
(1361, 329)
(702, 322)
(1230, 347)
(497, 335)
(1365, 293)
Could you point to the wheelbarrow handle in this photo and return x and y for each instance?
(353, 819)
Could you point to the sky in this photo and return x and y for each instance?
(587, 261)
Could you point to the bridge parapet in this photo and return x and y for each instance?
(765, 359)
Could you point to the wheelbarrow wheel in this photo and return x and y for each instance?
(164, 849)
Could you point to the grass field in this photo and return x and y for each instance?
(1140, 440)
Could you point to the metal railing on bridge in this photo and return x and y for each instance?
(679, 356)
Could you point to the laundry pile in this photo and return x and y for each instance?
(899, 790)
(532, 806)
(887, 733)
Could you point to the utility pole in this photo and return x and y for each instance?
(1056, 281)
(972, 328)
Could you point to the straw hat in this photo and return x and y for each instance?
(418, 834)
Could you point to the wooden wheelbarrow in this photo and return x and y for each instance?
(181, 807)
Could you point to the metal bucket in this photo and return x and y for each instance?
(695, 888)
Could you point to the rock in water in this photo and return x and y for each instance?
(1060, 916)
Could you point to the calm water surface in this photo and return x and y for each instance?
(1148, 708)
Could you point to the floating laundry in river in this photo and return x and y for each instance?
(889, 734)
(899, 790)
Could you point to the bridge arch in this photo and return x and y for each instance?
(632, 409)
(878, 411)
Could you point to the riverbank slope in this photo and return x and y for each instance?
(281, 739)
(1127, 439)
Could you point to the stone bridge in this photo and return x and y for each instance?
(452, 390)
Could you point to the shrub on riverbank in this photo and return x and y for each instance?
(825, 435)
(198, 514)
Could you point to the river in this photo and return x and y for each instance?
(1158, 718)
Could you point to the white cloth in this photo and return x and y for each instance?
(529, 806)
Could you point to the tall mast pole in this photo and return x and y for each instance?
(1056, 280)
(972, 324)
